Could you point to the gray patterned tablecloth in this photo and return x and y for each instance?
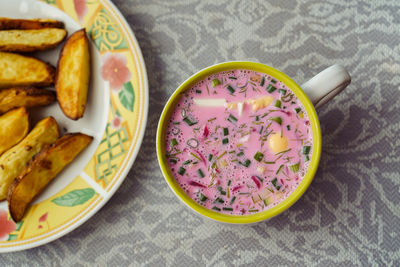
(350, 215)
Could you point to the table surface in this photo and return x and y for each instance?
(350, 215)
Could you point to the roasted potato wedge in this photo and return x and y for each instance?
(13, 161)
(29, 24)
(73, 75)
(31, 40)
(18, 70)
(42, 169)
(25, 97)
(14, 125)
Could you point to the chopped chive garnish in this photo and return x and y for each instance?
(225, 141)
(297, 110)
(219, 200)
(240, 154)
(189, 122)
(216, 208)
(232, 200)
(306, 150)
(295, 168)
(181, 170)
(203, 197)
(257, 118)
(288, 127)
(246, 163)
(232, 118)
(274, 182)
(227, 209)
(210, 157)
(219, 188)
(187, 162)
(270, 88)
(258, 156)
(261, 129)
(262, 81)
(230, 89)
(269, 162)
(253, 210)
(232, 152)
(215, 82)
(282, 91)
(229, 182)
(306, 158)
(226, 131)
(176, 122)
(279, 169)
(273, 81)
(277, 120)
(232, 78)
(278, 103)
(200, 173)
(174, 142)
(173, 161)
(223, 154)
(198, 91)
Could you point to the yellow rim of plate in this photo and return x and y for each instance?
(292, 198)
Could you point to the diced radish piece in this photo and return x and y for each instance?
(256, 181)
(205, 131)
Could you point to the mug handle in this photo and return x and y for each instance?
(326, 85)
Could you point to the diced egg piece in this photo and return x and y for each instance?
(210, 102)
(260, 102)
(277, 143)
(244, 138)
(223, 163)
(261, 169)
(240, 108)
(231, 105)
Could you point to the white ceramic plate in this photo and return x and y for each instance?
(115, 116)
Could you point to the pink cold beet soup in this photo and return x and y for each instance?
(239, 142)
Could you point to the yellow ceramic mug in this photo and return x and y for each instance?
(314, 93)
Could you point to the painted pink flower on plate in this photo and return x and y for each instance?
(115, 71)
(43, 218)
(80, 9)
(116, 122)
(6, 226)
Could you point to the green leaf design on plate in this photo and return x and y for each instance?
(127, 96)
(12, 237)
(75, 197)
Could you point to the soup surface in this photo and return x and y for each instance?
(239, 142)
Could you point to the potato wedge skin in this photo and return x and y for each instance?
(31, 40)
(13, 161)
(29, 24)
(25, 97)
(18, 70)
(14, 127)
(42, 169)
(73, 75)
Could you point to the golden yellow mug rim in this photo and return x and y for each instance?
(239, 219)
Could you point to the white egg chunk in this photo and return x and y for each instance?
(260, 102)
(278, 143)
(209, 102)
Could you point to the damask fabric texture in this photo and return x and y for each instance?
(350, 215)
